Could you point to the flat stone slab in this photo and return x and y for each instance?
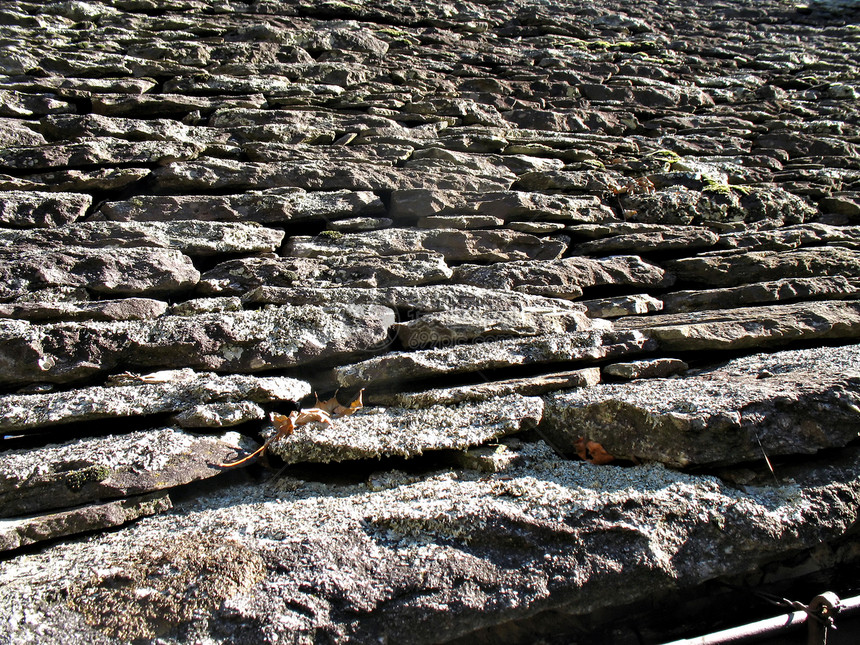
(505, 205)
(113, 466)
(132, 395)
(526, 386)
(455, 245)
(103, 150)
(408, 432)
(189, 237)
(563, 278)
(132, 271)
(24, 208)
(18, 532)
(769, 291)
(308, 560)
(243, 341)
(122, 309)
(732, 269)
(646, 368)
(264, 206)
(411, 301)
(398, 367)
(721, 209)
(791, 237)
(669, 238)
(749, 327)
(640, 303)
(236, 277)
(318, 174)
(461, 325)
(785, 403)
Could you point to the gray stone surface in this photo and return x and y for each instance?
(454, 245)
(131, 395)
(123, 309)
(86, 470)
(768, 291)
(397, 367)
(109, 270)
(236, 277)
(411, 301)
(732, 269)
(751, 408)
(528, 535)
(564, 278)
(482, 176)
(265, 206)
(190, 237)
(749, 327)
(32, 208)
(18, 532)
(407, 432)
(653, 368)
(245, 341)
(459, 325)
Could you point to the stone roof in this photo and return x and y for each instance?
(577, 284)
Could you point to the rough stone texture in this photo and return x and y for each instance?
(411, 301)
(191, 238)
(406, 432)
(236, 277)
(244, 341)
(666, 239)
(267, 206)
(138, 395)
(454, 245)
(622, 306)
(471, 171)
(817, 288)
(529, 386)
(85, 470)
(799, 401)
(106, 270)
(413, 204)
(732, 269)
(458, 325)
(563, 278)
(124, 309)
(26, 208)
(749, 327)
(16, 533)
(655, 368)
(423, 364)
(337, 561)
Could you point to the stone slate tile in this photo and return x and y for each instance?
(18, 532)
(22, 209)
(749, 327)
(91, 469)
(407, 432)
(192, 238)
(395, 368)
(106, 270)
(141, 395)
(785, 403)
(243, 341)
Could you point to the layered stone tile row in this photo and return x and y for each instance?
(518, 229)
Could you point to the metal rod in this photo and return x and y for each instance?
(763, 627)
(760, 628)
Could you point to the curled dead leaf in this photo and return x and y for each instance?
(285, 424)
(593, 452)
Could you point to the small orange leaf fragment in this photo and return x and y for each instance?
(336, 409)
(592, 452)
